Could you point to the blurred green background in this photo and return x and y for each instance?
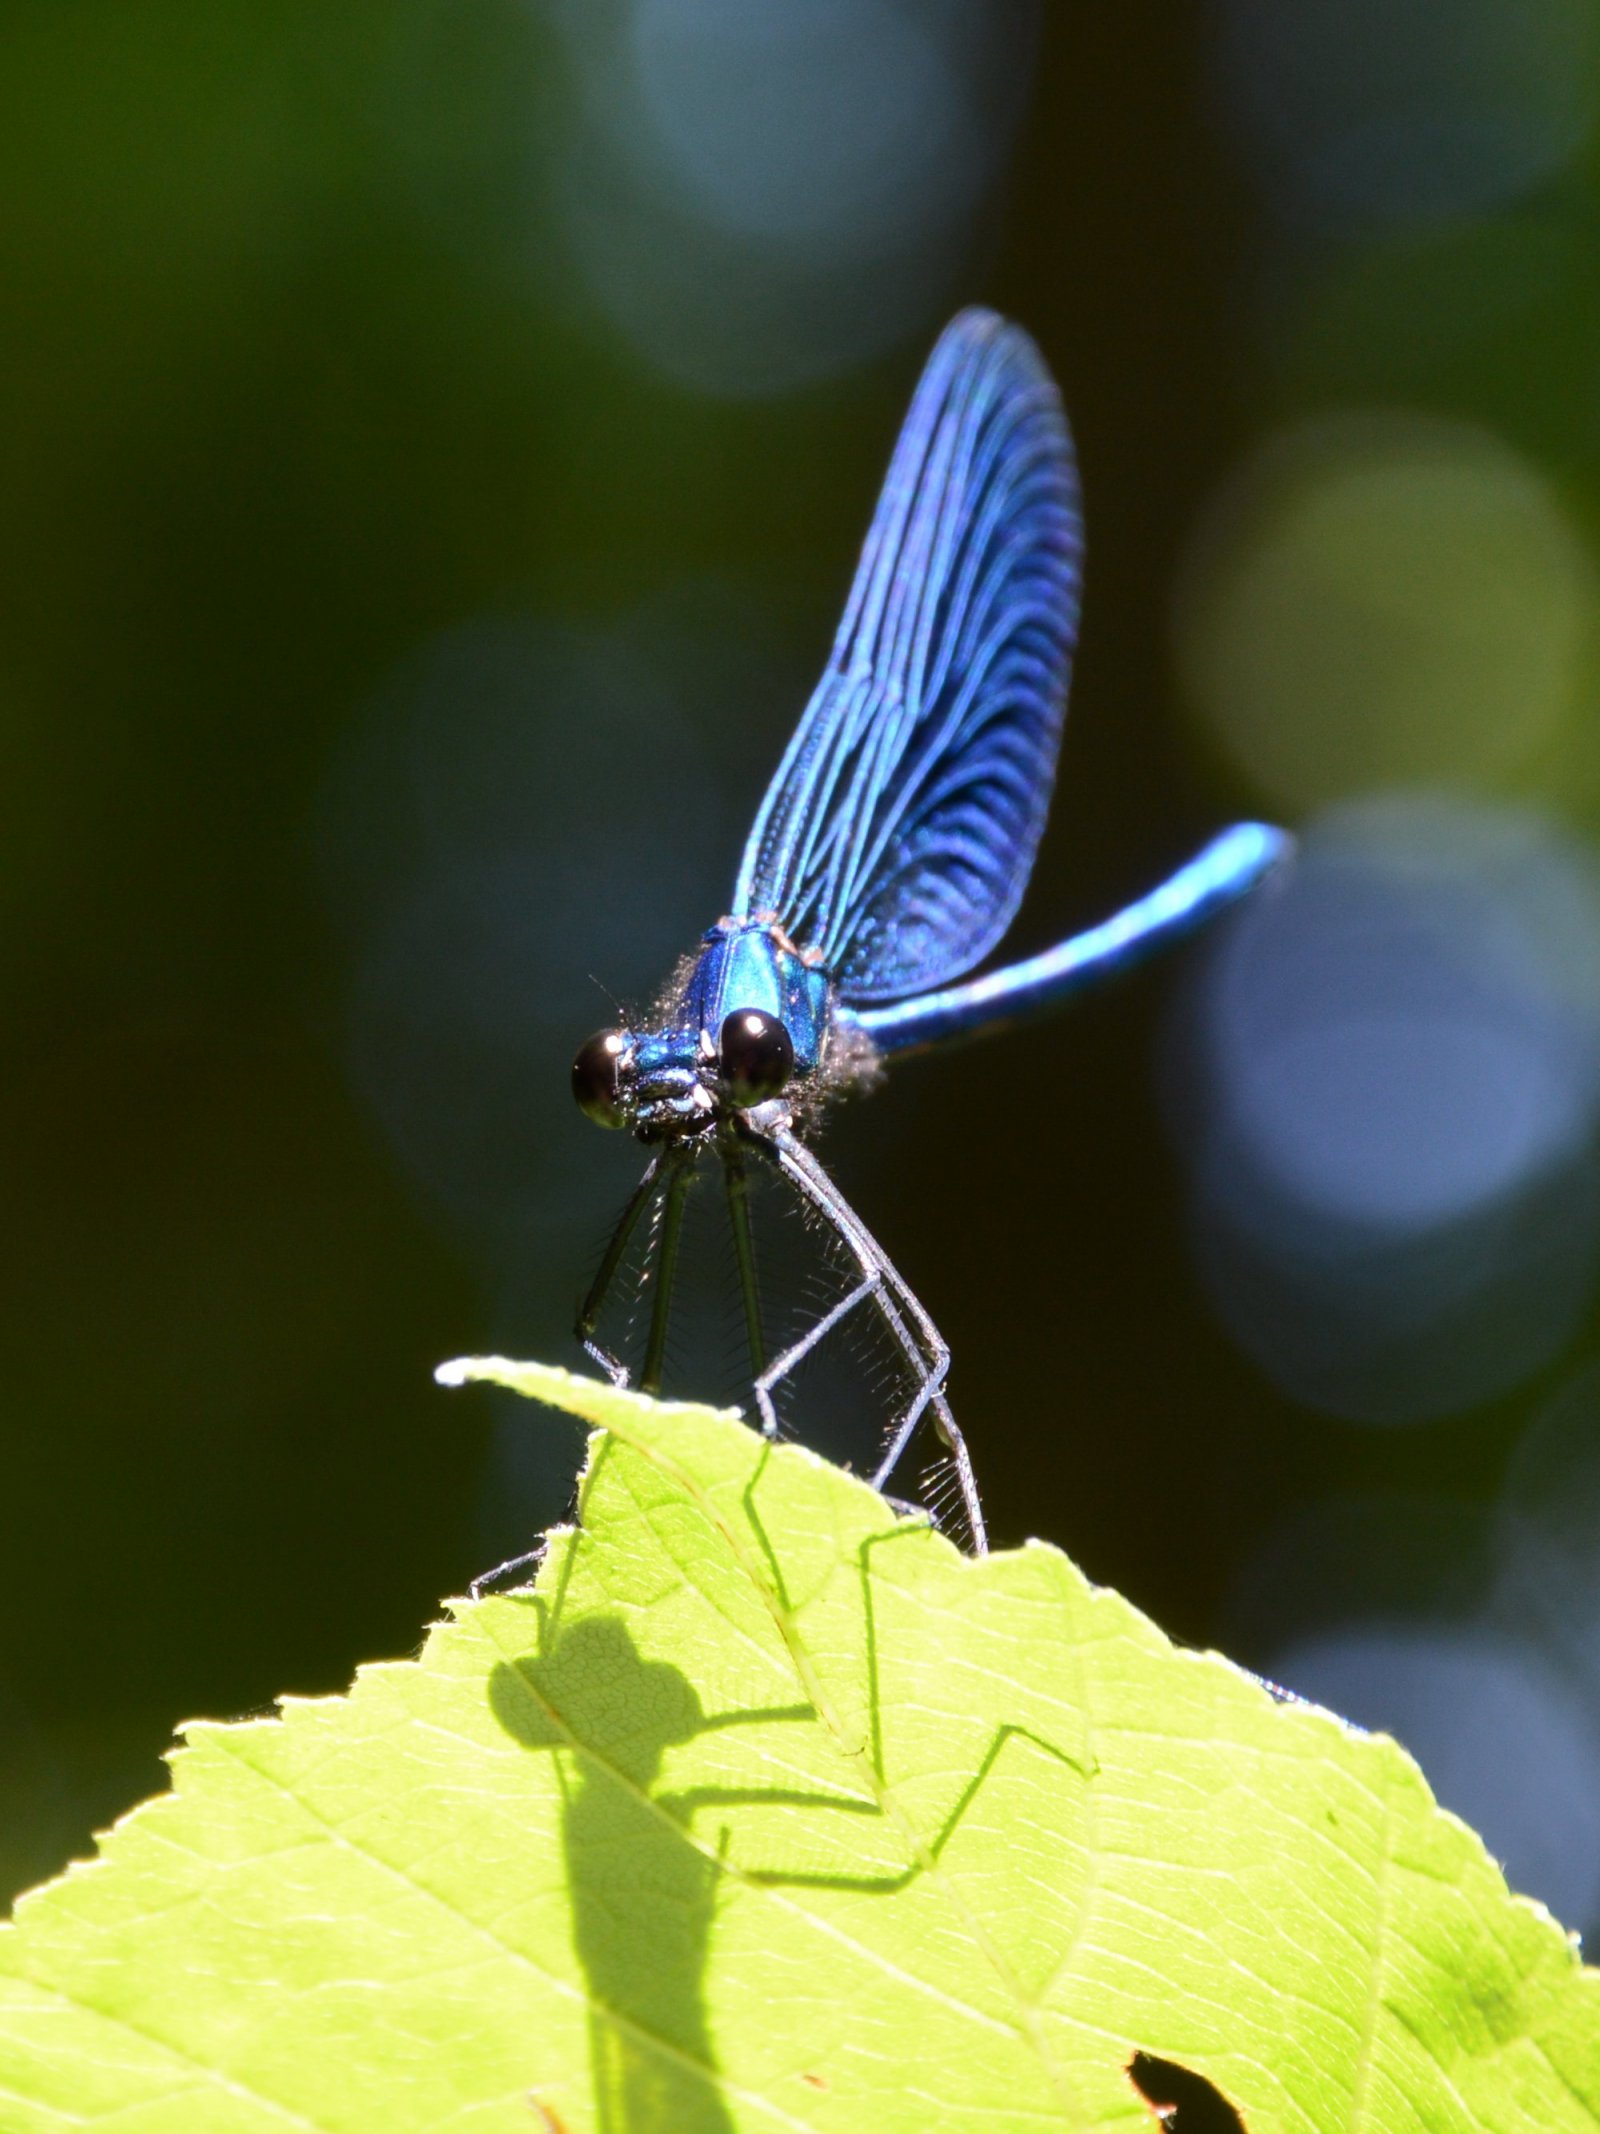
(438, 439)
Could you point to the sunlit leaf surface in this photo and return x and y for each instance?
(765, 1810)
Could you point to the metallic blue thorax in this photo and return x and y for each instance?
(749, 963)
(743, 964)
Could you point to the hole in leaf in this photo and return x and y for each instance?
(1184, 2102)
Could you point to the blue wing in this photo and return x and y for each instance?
(899, 833)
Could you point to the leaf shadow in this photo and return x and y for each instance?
(642, 1886)
(609, 1715)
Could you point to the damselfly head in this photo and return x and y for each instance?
(670, 1084)
(658, 1082)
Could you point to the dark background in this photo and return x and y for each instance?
(420, 527)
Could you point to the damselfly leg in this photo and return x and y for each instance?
(736, 1182)
(669, 1235)
(913, 1343)
(914, 1334)
(664, 1172)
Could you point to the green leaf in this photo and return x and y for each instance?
(767, 1810)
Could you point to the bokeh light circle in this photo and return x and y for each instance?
(472, 808)
(1382, 599)
(758, 198)
(837, 124)
(1394, 1068)
(1364, 112)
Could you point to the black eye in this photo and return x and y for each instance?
(756, 1056)
(594, 1077)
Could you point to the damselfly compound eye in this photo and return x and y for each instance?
(756, 1055)
(595, 1078)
